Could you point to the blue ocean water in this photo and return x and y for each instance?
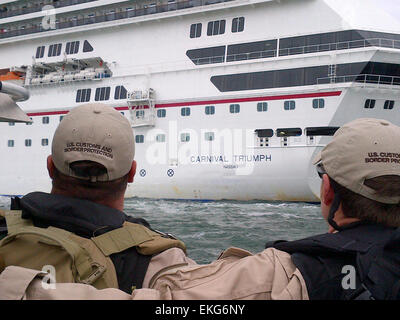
(207, 228)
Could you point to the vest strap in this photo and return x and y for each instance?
(362, 294)
(159, 244)
(14, 221)
(130, 235)
(86, 270)
(118, 240)
(334, 207)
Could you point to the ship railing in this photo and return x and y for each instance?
(208, 60)
(373, 42)
(38, 6)
(111, 16)
(364, 79)
(235, 57)
(251, 55)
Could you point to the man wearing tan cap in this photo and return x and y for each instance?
(359, 257)
(80, 229)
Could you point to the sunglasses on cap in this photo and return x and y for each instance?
(320, 170)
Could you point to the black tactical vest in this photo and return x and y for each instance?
(326, 262)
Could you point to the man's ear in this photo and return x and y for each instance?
(132, 172)
(328, 194)
(50, 166)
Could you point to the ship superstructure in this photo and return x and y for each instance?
(227, 99)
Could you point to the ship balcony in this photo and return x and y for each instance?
(364, 81)
(344, 45)
(33, 7)
(235, 53)
(5, 32)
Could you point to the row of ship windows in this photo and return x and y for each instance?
(235, 108)
(101, 94)
(261, 134)
(70, 48)
(45, 120)
(263, 107)
(209, 110)
(216, 27)
(185, 137)
(370, 104)
(28, 143)
(210, 136)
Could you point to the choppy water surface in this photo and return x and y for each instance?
(207, 228)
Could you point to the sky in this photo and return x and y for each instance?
(391, 6)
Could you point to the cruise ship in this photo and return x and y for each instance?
(227, 99)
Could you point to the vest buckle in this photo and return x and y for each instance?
(98, 271)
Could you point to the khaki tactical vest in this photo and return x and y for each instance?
(73, 258)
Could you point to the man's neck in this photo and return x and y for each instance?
(341, 220)
(114, 203)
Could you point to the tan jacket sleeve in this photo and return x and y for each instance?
(237, 274)
(164, 261)
(21, 283)
(18, 283)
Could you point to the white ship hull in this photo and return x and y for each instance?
(152, 52)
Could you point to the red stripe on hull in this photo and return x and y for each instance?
(210, 102)
(253, 99)
(48, 113)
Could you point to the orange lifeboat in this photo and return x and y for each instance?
(12, 75)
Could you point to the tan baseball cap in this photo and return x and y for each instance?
(94, 132)
(10, 111)
(360, 150)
